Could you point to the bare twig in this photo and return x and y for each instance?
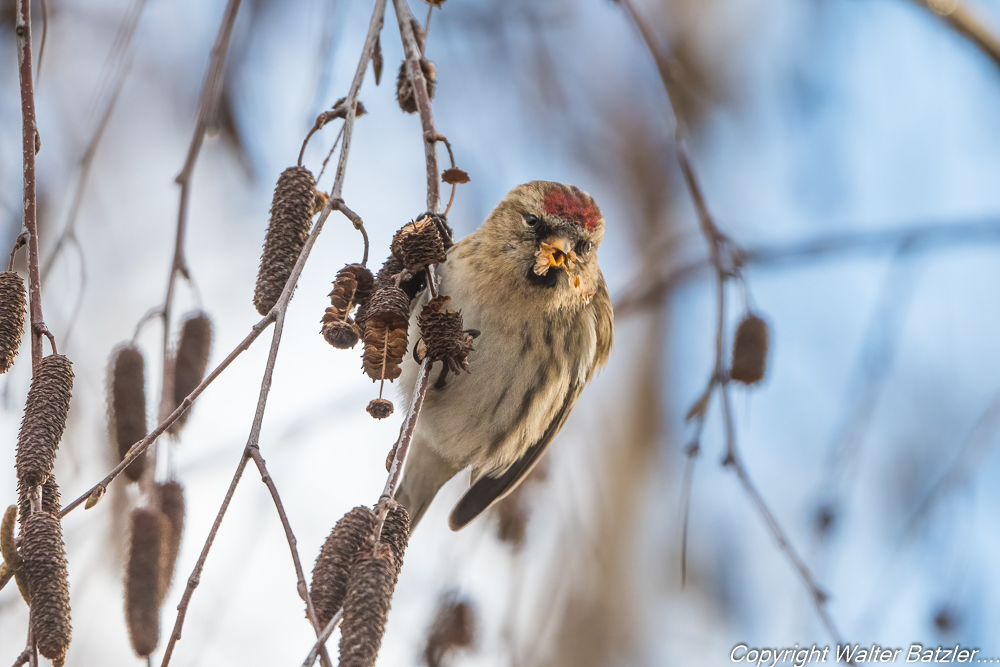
(324, 636)
(725, 260)
(123, 42)
(207, 104)
(964, 21)
(355, 219)
(195, 577)
(138, 448)
(303, 588)
(29, 135)
(412, 52)
(646, 291)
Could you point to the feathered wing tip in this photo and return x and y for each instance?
(488, 490)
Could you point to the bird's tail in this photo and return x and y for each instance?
(424, 474)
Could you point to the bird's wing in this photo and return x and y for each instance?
(488, 490)
(603, 326)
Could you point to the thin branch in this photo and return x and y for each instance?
(29, 137)
(964, 21)
(355, 219)
(725, 261)
(138, 448)
(413, 55)
(645, 291)
(123, 42)
(207, 103)
(195, 577)
(303, 588)
(324, 636)
(277, 314)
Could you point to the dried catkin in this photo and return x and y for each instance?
(45, 571)
(142, 578)
(291, 218)
(353, 534)
(190, 361)
(170, 496)
(749, 351)
(386, 323)
(379, 408)
(11, 317)
(405, 94)
(454, 627)
(418, 244)
(352, 287)
(396, 532)
(369, 594)
(441, 330)
(127, 405)
(45, 412)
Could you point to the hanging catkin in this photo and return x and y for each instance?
(353, 534)
(749, 351)
(386, 321)
(11, 317)
(190, 361)
(418, 244)
(369, 594)
(127, 405)
(45, 412)
(352, 287)
(142, 578)
(396, 532)
(291, 215)
(45, 571)
(405, 94)
(170, 496)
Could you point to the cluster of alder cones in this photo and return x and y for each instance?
(36, 558)
(156, 522)
(374, 309)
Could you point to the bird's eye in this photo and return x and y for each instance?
(584, 247)
(531, 220)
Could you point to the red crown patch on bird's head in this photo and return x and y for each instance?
(572, 204)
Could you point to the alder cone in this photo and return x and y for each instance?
(396, 532)
(143, 572)
(418, 244)
(44, 569)
(12, 300)
(45, 412)
(170, 496)
(352, 287)
(190, 362)
(379, 408)
(291, 218)
(454, 627)
(386, 321)
(405, 94)
(750, 351)
(353, 534)
(127, 403)
(369, 595)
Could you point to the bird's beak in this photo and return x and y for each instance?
(554, 252)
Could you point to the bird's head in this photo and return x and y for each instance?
(546, 235)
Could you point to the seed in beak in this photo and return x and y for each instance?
(555, 252)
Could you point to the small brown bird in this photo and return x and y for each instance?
(528, 280)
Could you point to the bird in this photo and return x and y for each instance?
(529, 282)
